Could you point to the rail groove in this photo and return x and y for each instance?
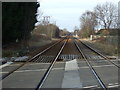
(92, 69)
(36, 57)
(39, 86)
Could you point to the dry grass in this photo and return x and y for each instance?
(107, 48)
(25, 47)
(104, 47)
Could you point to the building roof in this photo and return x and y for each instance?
(110, 31)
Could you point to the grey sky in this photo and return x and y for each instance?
(66, 13)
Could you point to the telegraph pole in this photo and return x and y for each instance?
(46, 20)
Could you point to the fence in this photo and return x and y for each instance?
(108, 39)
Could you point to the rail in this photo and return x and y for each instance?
(39, 86)
(92, 69)
(4, 76)
(106, 58)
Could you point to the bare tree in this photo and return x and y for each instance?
(88, 23)
(106, 14)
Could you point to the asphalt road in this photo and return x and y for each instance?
(27, 76)
(65, 74)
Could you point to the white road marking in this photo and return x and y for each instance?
(57, 68)
(4, 72)
(37, 70)
(113, 86)
(15, 64)
(60, 62)
(71, 75)
(31, 70)
(103, 66)
(6, 64)
(91, 86)
(37, 63)
(98, 66)
(110, 84)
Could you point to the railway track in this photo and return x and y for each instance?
(70, 51)
(97, 57)
(98, 78)
(36, 58)
(65, 50)
(101, 55)
(92, 69)
(49, 55)
(101, 84)
(50, 67)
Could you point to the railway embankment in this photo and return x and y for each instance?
(104, 47)
(24, 49)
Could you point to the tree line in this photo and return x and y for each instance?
(104, 16)
(48, 31)
(18, 19)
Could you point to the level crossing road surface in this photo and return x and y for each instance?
(66, 74)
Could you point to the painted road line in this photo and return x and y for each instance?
(3, 72)
(71, 75)
(6, 64)
(99, 66)
(38, 63)
(36, 70)
(58, 68)
(113, 86)
(94, 86)
(110, 84)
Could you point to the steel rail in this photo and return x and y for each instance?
(92, 69)
(106, 58)
(44, 50)
(31, 59)
(39, 86)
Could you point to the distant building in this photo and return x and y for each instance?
(112, 32)
(76, 33)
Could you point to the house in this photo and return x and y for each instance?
(112, 32)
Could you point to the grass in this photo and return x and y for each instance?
(7, 53)
(25, 47)
(105, 47)
(13, 52)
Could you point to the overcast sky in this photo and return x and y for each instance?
(66, 13)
